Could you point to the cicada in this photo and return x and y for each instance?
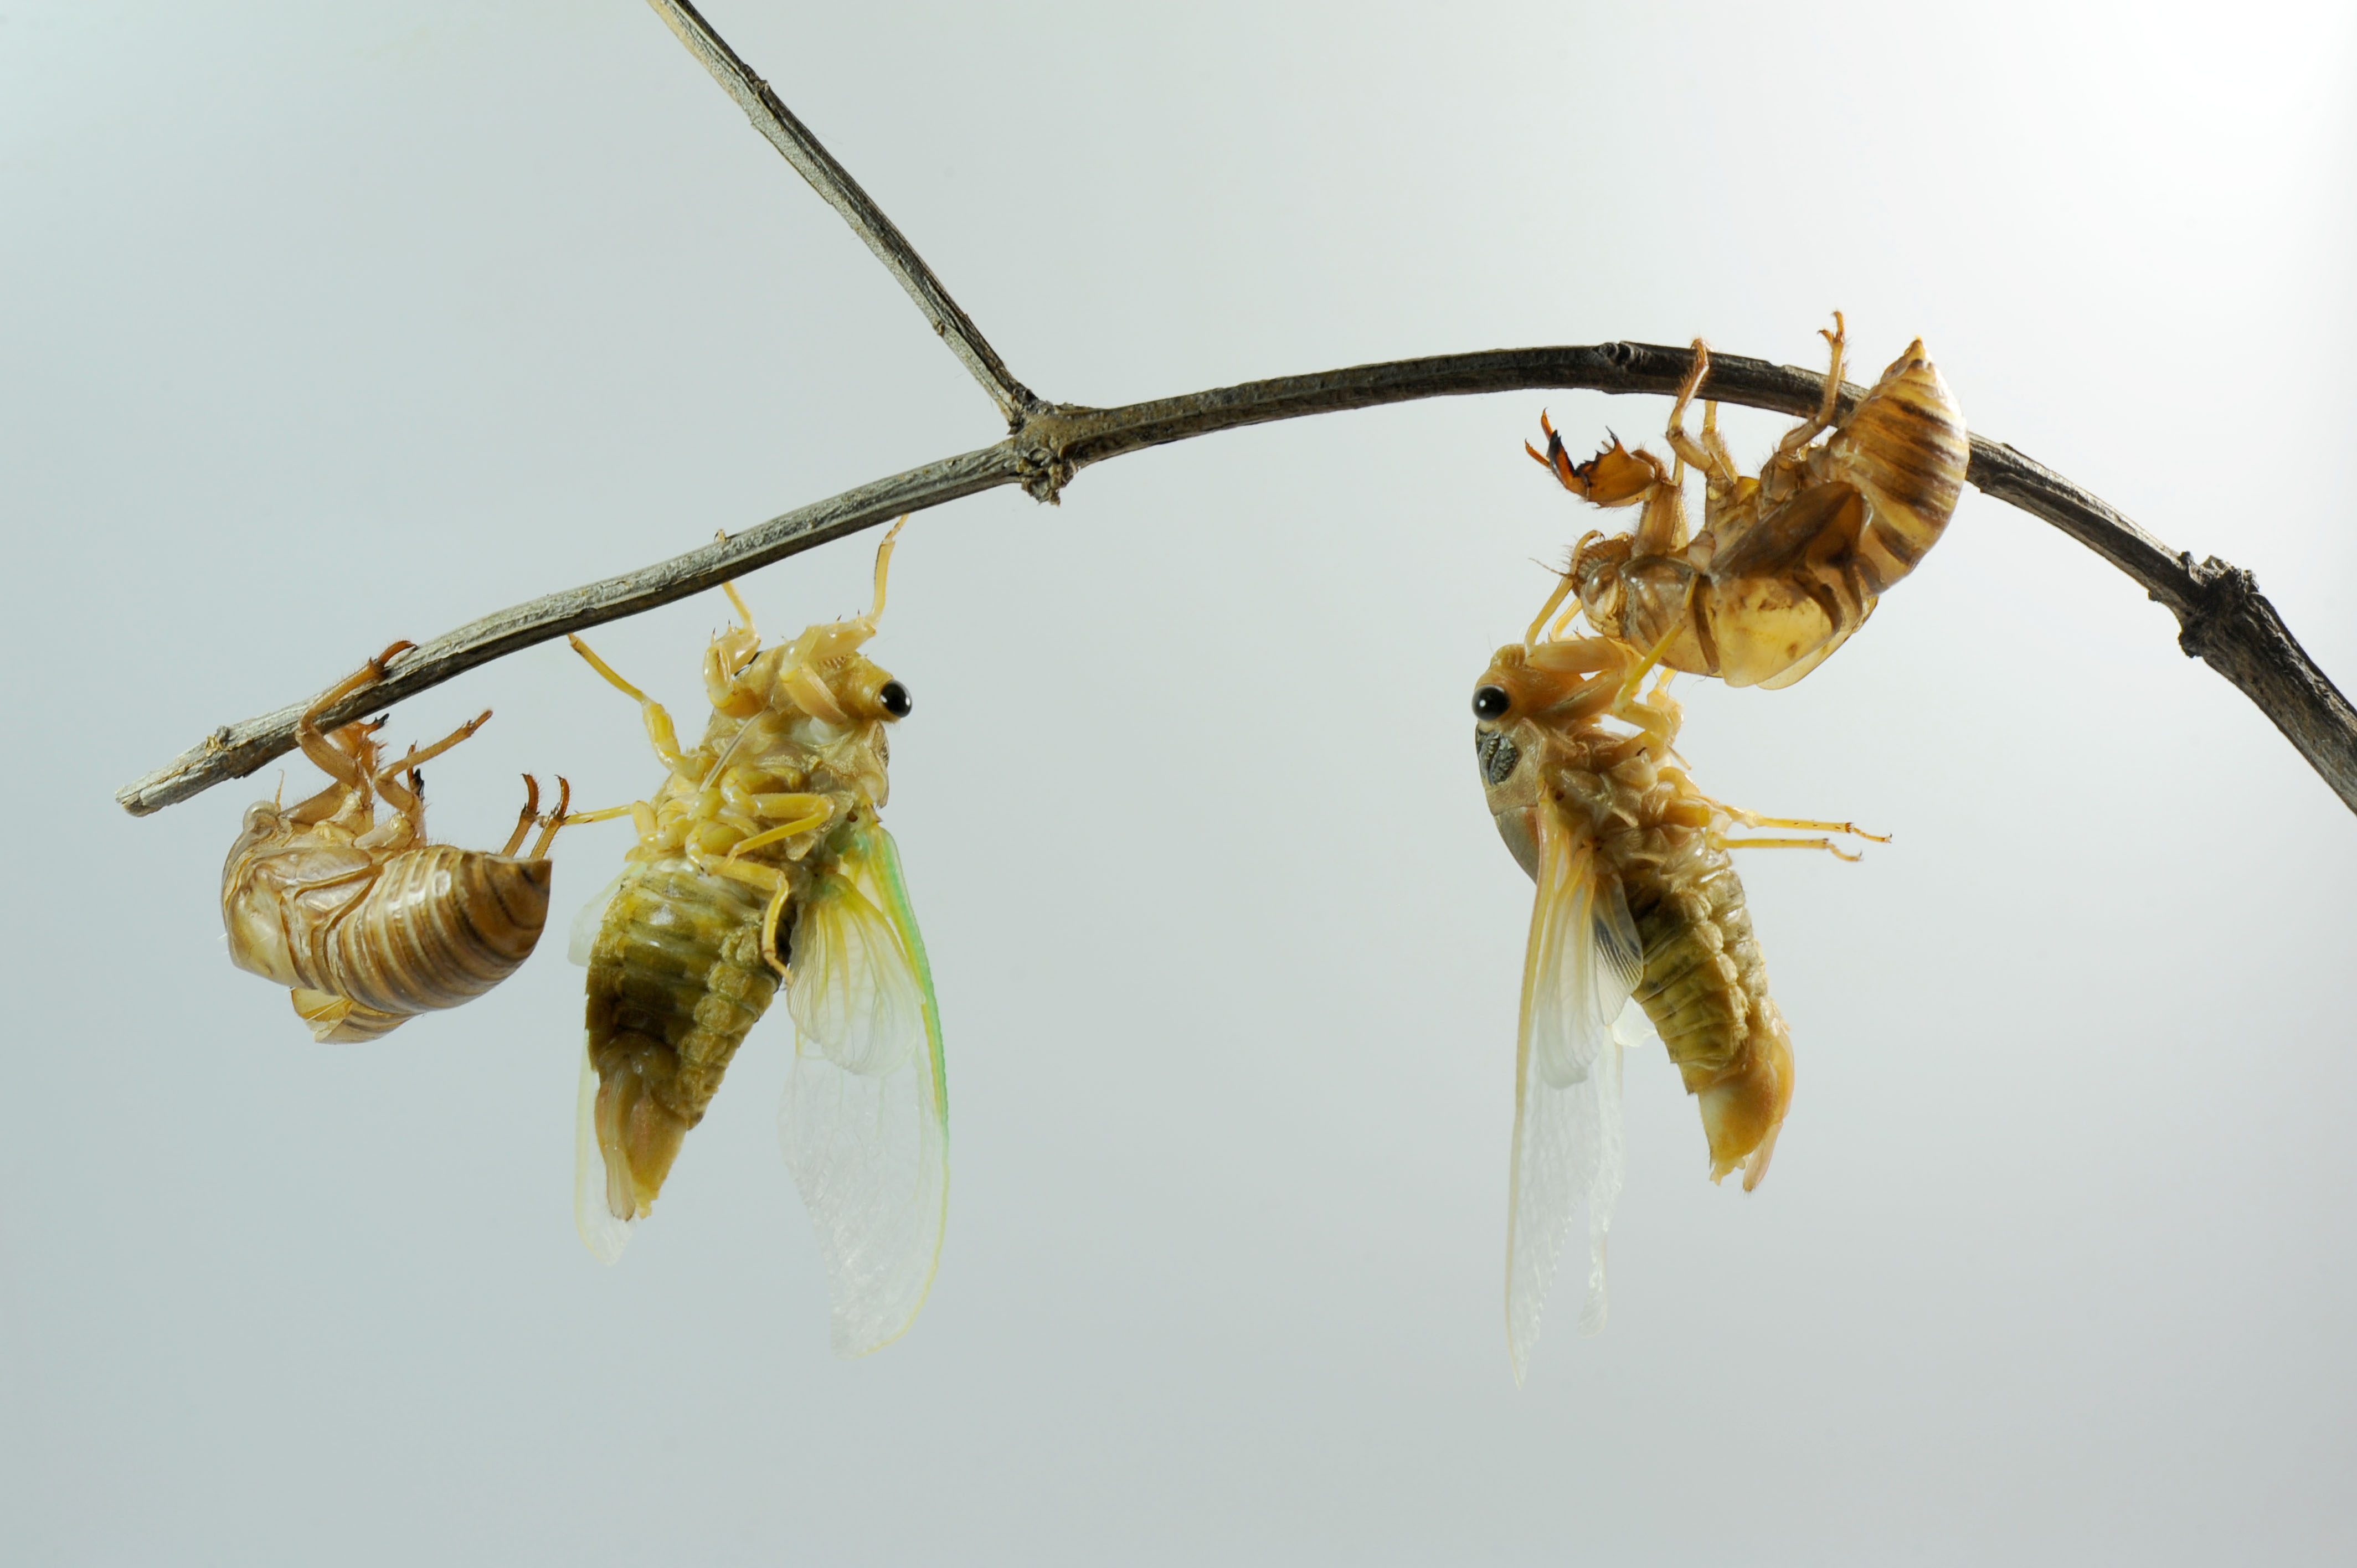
(1789, 563)
(1637, 899)
(366, 923)
(761, 863)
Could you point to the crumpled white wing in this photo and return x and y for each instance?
(582, 937)
(865, 1123)
(1582, 960)
(604, 1235)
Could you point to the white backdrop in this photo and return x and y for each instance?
(325, 326)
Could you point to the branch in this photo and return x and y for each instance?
(2224, 619)
(834, 182)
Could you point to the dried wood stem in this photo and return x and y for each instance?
(2223, 617)
(834, 182)
(2225, 620)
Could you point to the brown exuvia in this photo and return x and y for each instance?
(366, 923)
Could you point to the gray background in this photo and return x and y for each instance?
(329, 325)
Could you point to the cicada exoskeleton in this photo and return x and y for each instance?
(760, 864)
(1788, 564)
(364, 921)
(1637, 899)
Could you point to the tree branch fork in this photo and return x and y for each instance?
(2223, 619)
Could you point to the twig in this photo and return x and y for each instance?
(2225, 620)
(2221, 616)
(834, 182)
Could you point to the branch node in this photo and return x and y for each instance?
(1043, 472)
(2224, 597)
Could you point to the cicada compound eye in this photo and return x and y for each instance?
(893, 698)
(1491, 703)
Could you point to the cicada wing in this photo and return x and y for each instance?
(581, 938)
(865, 1123)
(1582, 960)
(593, 1209)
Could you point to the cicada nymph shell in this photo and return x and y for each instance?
(1788, 562)
(760, 864)
(1637, 899)
(366, 923)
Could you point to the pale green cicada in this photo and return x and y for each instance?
(761, 863)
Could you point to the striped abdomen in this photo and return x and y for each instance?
(438, 926)
(1705, 989)
(1905, 448)
(676, 979)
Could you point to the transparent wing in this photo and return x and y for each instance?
(604, 1235)
(583, 936)
(865, 1125)
(1582, 960)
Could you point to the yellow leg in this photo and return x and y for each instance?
(1754, 820)
(770, 879)
(659, 732)
(744, 612)
(1561, 587)
(641, 815)
(816, 809)
(1717, 841)
(883, 565)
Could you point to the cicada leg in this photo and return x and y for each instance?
(1717, 469)
(770, 880)
(660, 733)
(814, 810)
(1809, 429)
(530, 814)
(1754, 820)
(641, 812)
(726, 656)
(336, 764)
(409, 798)
(525, 818)
(553, 821)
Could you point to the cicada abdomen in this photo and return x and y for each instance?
(760, 865)
(364, 922)
(1789, 563)
(1636, 899)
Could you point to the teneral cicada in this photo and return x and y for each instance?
(365, 922)
(761, 862)
(1637, 898)
(1789, 563)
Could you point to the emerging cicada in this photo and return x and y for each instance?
(1788, 565)
(365, 922)
(760, 861)
(1637, 898)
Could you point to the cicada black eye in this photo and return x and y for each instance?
(1491, 703)
(894, 698)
